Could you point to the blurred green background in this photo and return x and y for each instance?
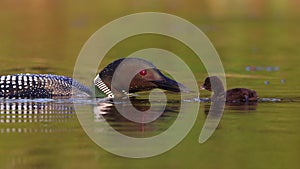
(46, 36)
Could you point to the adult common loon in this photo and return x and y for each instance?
(54, 86)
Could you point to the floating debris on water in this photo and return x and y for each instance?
(205, 100)
(282, 81)
(269, 100)
(267, 82)
(202, 100)
(262, 68)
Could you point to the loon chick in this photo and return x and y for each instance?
(112, 81)
(232, 95)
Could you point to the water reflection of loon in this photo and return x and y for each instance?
(107, 111)
(40, 116)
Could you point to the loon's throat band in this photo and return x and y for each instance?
(101, 85)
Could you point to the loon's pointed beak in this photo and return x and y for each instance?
(170, 85)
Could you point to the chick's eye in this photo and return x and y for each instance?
(143, 72)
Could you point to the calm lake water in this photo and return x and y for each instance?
(259, 49)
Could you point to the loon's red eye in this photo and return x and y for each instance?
(143, 72)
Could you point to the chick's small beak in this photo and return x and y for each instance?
(202, 87)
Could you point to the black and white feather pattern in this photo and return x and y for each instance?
(101, 85)
(39, 86)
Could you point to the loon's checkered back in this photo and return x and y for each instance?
(39, 86)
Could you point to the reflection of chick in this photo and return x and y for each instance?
(232, 95)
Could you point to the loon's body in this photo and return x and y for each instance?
(39, 86)
(120, 77)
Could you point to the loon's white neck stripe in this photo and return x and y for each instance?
(101, 85)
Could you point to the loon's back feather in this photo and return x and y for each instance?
(39, 86)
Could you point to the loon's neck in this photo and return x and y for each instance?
(101, 89)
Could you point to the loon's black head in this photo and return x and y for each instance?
(129, 75)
